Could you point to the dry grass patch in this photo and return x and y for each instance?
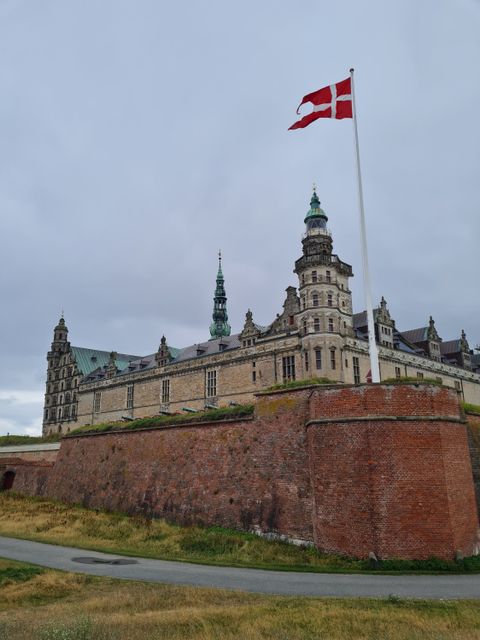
(59, 606)
(57, 523)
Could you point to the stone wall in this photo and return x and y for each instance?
(355, 469)
(31, 452)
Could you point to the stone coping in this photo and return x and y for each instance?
(47, 446)
(342, 385)
(378, 418)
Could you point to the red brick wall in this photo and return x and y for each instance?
(30, 477)
(395, 487)
(381, 468)
(473, 432)
(236, 474)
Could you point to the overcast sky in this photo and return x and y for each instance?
(137, 137)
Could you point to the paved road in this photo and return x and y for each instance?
(255, 580)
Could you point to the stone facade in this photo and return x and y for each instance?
(316, 335)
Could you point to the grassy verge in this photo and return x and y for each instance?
(412, 380)
(210, 415)
(11, 441)
(52, 605)
(293, 384)
(471, 408)
(57, 523)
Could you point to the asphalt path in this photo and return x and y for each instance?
(291, 583)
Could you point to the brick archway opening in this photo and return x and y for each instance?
(7, 480)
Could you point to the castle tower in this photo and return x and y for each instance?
(220, 326)
(325, 316)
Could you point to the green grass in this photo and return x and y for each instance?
(11, 441)
(293, 384)
(54, 522)
(411, 380)
(471, 408)
(210, 415)
(55, 605)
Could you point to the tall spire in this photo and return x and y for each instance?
(220, 326)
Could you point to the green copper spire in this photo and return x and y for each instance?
(315, 213)
(220, 326)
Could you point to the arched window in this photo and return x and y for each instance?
(67, 397)
(315, 299)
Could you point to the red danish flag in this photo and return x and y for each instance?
(334, 101)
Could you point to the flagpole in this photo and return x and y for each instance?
(372, 345)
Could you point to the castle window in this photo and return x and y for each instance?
(330, 325)
(457, 385)
(330, 300)
(419, 375)
(398, 373)
(46, 414)
(288, 367)
(318, 358)
(316, 324)
(314, 276)
(328, 276)
(304, 325)
(74, 412)
(315, 299)
(130, 396)
(356, 370)
(303, 279)
(165, 391)
(97, 399)
(306, 361)
(211, 384)
(333, 359)
(67, 397)
(290, 320)
(254, 373)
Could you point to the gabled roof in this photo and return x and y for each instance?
(360, 319)
(450, 346)
(135, 364)
(90, 359)
(416, 335)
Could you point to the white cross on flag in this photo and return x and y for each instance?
(334, 101)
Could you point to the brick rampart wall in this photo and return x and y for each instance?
(30, 477)
(382, 468)
(473, 431)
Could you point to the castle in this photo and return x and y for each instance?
(316, 335)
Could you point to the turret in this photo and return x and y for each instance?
(325, 316)
(220, 326)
